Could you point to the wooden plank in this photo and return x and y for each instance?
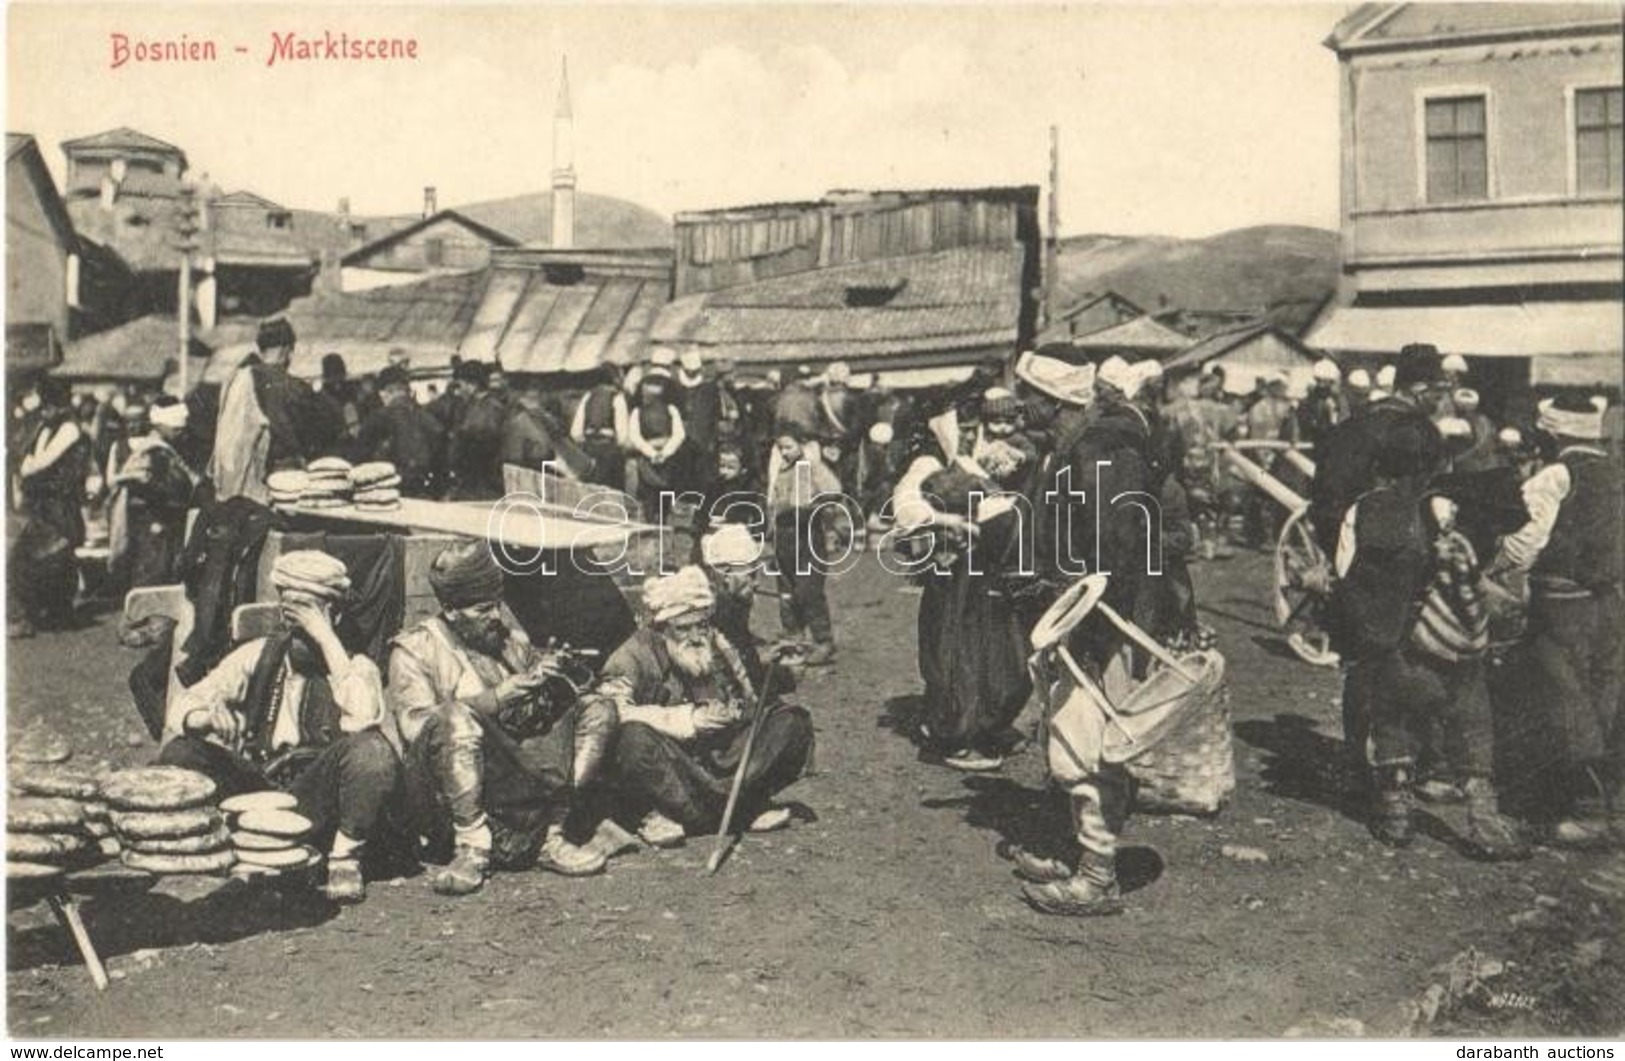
(522, 526)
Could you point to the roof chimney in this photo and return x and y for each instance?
(429, 209)
(564, 170)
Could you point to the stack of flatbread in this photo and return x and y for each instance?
(60, 782)
(266, 833)
(45, 835)
(377, 486)
(286, 487)
(163, 819)
(327, 483)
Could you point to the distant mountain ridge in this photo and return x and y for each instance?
(1285, 272)
(602, 221)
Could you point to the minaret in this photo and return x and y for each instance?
(564, 168)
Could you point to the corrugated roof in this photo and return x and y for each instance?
(954, 299)
(534, 311)
(1141, 333)
(144, 349)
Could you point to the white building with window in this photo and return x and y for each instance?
(1481, 190)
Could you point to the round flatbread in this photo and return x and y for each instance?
(275, 822)
(328, 464)
(165, 825)
(45, 847)
(97, 810)
(43, 814)
(27, 871)
(369, 472)
(157, 788)
(261, 842)
(324, 502)
(286, 482)
(267, 800)
(41, 746)
(54, 781)
(378, 506)
(216, 840)
(287, 858)
(214, 862)
(377, 496)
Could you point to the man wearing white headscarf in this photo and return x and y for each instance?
(297, 711)
(1574, 553)
(151, 492)
(684, 698)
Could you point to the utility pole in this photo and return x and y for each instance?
(187, 222)
(1052, 238)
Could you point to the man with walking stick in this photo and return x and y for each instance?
(686, 702)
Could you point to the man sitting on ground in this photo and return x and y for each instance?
(298, 691)
(496, 746)
(684, 698)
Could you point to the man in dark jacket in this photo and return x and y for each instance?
(405, 434)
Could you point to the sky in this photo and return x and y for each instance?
(1180, 120)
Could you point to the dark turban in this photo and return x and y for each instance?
(464, 575)
(274, 334)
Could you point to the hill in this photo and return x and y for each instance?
(601, 220)
(1285, 270)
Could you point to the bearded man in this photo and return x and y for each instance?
(297, 711)
(496, 743)
(683, 695)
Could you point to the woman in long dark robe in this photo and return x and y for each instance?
(972, 642)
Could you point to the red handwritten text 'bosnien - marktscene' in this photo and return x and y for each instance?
(278, 48)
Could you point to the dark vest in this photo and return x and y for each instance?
(1586, 546)
(264, 701)
(600, 412)
(654, 420)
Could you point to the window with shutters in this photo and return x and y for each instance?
(1457, 144)
(1599, 119)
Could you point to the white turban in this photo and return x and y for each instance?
(838, 372)
(171, 416)
(663, 357)
(1454, 363)
(1326, 370)
(1360, 380)
(1454, 428)
(882, 433)
(1465, 399)
(1073, 384)
(1510, 437)
(311, 572)
(671, 597)
(690, 360)
(1116, 372)
(1385, 377)
(731, 545)
(1572, 423)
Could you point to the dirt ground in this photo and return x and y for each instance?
(887, 916)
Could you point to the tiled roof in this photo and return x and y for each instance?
(1393, 25)
(484, 232)
(143, 349)
(427, 319)
(140, 229)
(1224, 342)
(122, 137)
(1141, 333)
(955, 299)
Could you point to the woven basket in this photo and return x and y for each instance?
(1191, 770)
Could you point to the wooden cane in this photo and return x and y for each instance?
(720, 849)
(67, 912)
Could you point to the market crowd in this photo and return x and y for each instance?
(1456, 547)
